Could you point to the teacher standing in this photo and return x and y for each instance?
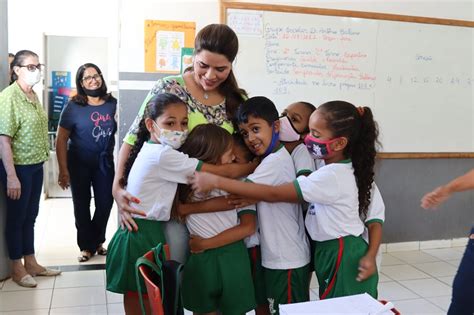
(24, 147)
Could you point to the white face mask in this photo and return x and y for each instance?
(172, 138)
(31, 78)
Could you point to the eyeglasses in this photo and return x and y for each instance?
(32, 67)
(89, 78)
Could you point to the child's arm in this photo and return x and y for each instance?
(233, 170)
(222, 203)
(203, 182)
(234, 234)
(367, 264)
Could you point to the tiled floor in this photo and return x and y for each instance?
(417, 282)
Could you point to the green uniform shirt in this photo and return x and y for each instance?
(26, 123)
(197, 113)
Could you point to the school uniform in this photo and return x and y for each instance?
(333, 222)
(375, 214)
(304, 163)
(283, 242)
(223, 273)
(153, 179)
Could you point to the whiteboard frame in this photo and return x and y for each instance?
(229, 4)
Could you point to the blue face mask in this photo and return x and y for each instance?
(275, 138)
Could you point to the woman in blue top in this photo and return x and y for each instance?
(84, 148)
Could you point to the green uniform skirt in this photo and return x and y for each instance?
(344, 283)
(123, 251)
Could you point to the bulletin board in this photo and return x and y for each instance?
(163, 43)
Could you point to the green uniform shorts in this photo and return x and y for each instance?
(286, 286)
(123, 251)
(219, 280)
(325, 258)
(257, 275)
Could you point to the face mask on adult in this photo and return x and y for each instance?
(288, 132)
(31, 77)
(94, 93)
(172, 138)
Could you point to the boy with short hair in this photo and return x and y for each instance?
(284, 245)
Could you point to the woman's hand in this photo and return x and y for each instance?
(64, 180)
(196, 244)
(123, 199)
(367, 267)
(203, 182)
(435, 198)
(13, 187)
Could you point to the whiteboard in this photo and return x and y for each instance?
(417, 78)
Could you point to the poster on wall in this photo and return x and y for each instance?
(186, 58)
(59, 96)
(163, 43)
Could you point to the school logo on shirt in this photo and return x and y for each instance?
(311, 210)
(271, 305)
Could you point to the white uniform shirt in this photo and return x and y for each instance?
(210, 224)
(154, 178)
(282, 235)
(334, 203)
(302, 160)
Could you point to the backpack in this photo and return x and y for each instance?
(169, 275)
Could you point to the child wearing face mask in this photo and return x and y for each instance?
(294, 127)
(152, 173)
(339, 193)
(219, 259)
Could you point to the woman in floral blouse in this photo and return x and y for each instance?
(210, 90)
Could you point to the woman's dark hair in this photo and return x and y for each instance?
(361, 131)
(154, 109)
(207, 143)
(221, 39)
(81, 96)
(18, 60)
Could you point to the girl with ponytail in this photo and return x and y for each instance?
(339, 193)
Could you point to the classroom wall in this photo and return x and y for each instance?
(402, 182)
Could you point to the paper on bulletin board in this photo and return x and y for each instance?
(186, 58)
(163, 43)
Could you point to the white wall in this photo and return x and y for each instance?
(203, 12)
(29, 20)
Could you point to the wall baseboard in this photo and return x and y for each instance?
(420, 245)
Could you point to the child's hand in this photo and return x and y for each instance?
(435, 198)
(196, 244)
(203, 182)
(367, 267)
(239, 201)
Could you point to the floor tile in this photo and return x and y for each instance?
(113, 298)
(442, 302)
(447, 280)
(116, 309)
(90, 310)
(454, 262)
(417, 307)
(25, 300)
(413, 257)
(84, 296)
(389, 260)
(437, 269)
(444, 253)
(392, 291)
(44, 311)
(383, 277)
(76, 279)
(404, 272)
(43, 283)
(427, 287)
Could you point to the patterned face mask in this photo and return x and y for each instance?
(318, 149)
(172, 138)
